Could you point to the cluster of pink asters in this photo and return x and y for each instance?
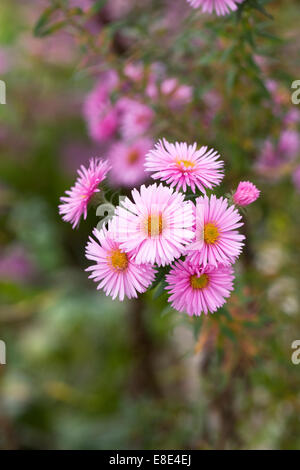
(221, 7)
(196, 238)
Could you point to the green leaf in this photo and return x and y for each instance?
(259, 7)
(160, 290)
(162, 271)
(43, 21)
(227, 332)
(231, 77)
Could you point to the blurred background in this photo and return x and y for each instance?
(86, 372)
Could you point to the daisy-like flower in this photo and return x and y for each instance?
(75, 203)
(118, 275)
(182, 165)
(193, 290)
(156, 225)
(245, 194)
(127, 162)
(221, 7)
(216, 238)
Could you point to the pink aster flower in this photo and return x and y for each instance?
(136, 118)
(245, 194)
(127, 162)
(195, 290)
(118, 275)
(182, 165)
(75, 204)
(156, 225)
(296, 178)
(216, 238)
(221, 7)
(134, 71)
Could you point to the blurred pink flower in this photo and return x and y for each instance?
(289, 144)
(101, 115)
(75, 204)
(213, 102)
(136, 118)
(134, 71)
(246, 193)
(292, 117)
(274, 157)
(116, 9)
(127, 162)
(195, 290)
(16, 265)
(280, 96)
(221, 7)
(176, 93)
(268, 158)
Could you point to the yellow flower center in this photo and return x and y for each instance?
(186, 163)
(211, 233)
(119, 260)
(133, 157)
(154, 225)
(199, 282)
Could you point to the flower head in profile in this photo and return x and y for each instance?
(183, 166)
(156, 225)
(75, 203)
(195, 290)
(245, 194)
(127, 162)
(216, 238)
(118, 275)
(221, 7)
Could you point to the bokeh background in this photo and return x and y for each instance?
(84, 372)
